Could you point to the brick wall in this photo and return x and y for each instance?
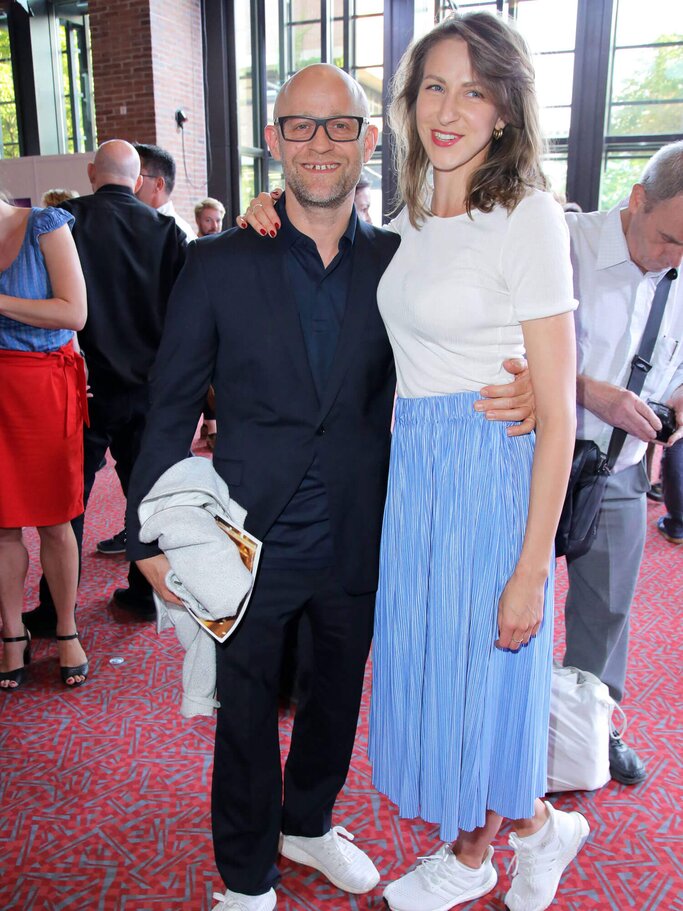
(123, 76)
(147, 63)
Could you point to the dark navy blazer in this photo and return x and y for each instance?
(231, 321)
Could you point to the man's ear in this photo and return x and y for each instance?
(369, 142)
(273, 139)
(637, 199)
(91, 173)
(138, 184)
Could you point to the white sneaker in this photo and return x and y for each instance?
(237, 901)
(440, 881)
(537, 869)
(345, 865)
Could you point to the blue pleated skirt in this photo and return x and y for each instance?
(457, 726)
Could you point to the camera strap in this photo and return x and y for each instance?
(641, 363)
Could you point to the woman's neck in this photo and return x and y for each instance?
(450, 194)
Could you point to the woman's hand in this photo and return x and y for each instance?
(520, 611)
(261, 214)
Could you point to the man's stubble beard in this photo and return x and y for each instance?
(335, 200)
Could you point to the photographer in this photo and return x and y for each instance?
(619, 258)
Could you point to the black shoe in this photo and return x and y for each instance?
(18, 675)
(655, 493)
(625, 765)
(136, 608)
(41, 621)
(114, 545)
(69, 673)
(661, 528)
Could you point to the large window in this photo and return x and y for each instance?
(645, 107)
(247, 108)
(9, 127)
(613, 98)
(549, 28)
(45, 58)
(77, 113)
(275, 38)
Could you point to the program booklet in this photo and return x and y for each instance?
(250, 550)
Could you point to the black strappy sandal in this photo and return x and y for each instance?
(18, 675)
(66, 672)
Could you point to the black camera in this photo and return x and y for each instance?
(668, 418)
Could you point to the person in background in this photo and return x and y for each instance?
(57, 196)
(670, 526)
(619, 259)
(209, 215)
(158, 182)
(131, 255)
(158, 174)
(362, 200)
(42, 409)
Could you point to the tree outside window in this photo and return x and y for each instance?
(9, 127)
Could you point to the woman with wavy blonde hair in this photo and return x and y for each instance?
(464, 619)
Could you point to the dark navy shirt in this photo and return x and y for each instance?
(301, 537)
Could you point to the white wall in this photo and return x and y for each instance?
(30, 177)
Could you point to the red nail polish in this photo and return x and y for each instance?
(263, 233)
(277, 226)
(272, 233)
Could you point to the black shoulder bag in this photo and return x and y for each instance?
(590, 467)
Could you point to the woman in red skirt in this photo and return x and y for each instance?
(42, 409)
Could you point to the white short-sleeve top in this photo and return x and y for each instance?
(456, 291)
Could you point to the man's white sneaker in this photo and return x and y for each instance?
(345, 865)
(537, 867)
(439, 882)
(237, 901)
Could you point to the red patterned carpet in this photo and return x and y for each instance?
(105, 790)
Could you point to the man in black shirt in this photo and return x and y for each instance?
(131, 256)
(288, 331)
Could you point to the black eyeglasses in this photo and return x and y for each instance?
(303, 129)
(151, 176)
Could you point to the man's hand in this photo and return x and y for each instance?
(618, 407)
(154, 569)
(511, 402)
(676, 402)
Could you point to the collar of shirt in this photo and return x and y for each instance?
(115, 188)
(613, 249)
(291, 235)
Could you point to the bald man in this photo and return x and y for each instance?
(287, 329)
(131, 256)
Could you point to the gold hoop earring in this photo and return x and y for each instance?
(497, 133)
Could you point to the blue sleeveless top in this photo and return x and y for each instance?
(27, 277)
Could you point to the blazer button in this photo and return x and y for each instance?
(321, 430)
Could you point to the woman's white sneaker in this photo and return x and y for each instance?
(537, 867)
(345, 865)
(439, 882)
